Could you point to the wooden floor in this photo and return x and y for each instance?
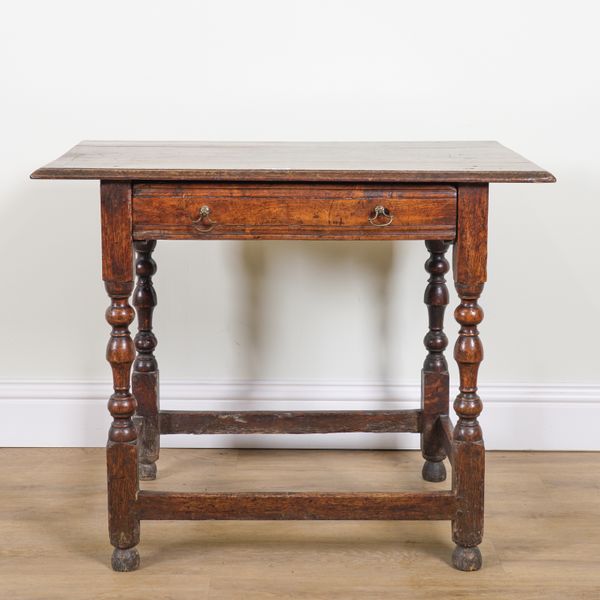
(542, 537)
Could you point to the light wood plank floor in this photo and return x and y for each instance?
(542, 537)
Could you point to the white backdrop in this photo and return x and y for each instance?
(301, 317)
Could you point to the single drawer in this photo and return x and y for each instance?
(293, 211)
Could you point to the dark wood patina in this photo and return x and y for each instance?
(431, 191)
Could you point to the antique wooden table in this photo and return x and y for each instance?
(432, 191)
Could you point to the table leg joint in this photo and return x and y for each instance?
(445, 431)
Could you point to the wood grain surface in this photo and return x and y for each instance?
(293, 211)
(542, 539)
(447, 162)
(297, 422)
(282, 506)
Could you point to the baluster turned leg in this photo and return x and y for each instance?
(434, 376)
(145, 379)
(121, 450)
(470, 255)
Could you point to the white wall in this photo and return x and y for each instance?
(524, 73)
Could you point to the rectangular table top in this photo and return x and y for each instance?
(397, 162)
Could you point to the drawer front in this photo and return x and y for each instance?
(293, 211)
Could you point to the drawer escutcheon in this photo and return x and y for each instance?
(204, 223)
(381, 211)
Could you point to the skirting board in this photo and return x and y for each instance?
(515, 417)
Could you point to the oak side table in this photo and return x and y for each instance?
(431, 191)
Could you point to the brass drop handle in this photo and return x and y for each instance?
(204, 223)
(381, 211)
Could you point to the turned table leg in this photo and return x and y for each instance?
(145, 380)
(470, 256)
(121, 450)
(434, 375)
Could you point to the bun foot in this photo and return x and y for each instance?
(125, 560)
(434, 471)
(147, 471)
(467, 559)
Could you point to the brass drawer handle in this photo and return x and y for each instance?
(204, 223)
(381, 211)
